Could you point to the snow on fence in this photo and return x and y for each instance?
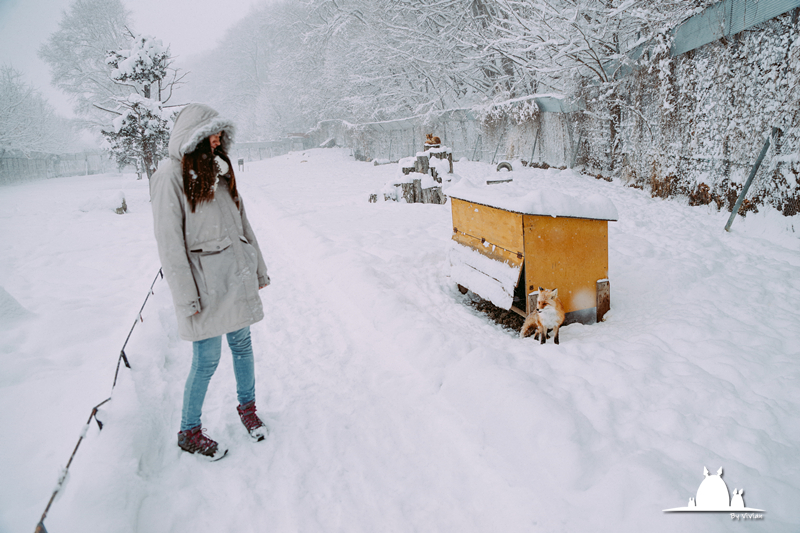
(256, 151)
(122, 358)
(490, 139)
(17, 166)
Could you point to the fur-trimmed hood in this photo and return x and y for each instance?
(194, 123)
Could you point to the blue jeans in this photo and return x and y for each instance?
(204, 362)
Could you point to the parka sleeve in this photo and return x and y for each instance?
(168, 222)
(261, 272)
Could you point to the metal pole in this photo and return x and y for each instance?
(497, 149)
(749, 180)
(475, 151)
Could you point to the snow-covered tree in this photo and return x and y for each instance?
(262, 74)
(139, 136)
(400, 58)
(27, 122)
(111, 72)
(293, 63)
(76, 54)
(140, 133)
(145, 64)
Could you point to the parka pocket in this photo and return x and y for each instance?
(210, 247)
(204, 269)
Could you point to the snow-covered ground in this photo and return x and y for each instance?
(393, 405)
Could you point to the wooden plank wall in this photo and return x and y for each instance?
(497, 226)
(570, 254)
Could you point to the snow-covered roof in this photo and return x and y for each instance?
(522, 197)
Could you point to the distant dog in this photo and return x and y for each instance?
(548, 315)
(430, 139)
(241, 164)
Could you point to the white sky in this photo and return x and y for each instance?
(187, 26)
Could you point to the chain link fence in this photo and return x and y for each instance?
(545, 139)
(19, 167)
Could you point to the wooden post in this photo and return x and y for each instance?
(603, 298)
(533, 299)
(422, 165)
(432, 195)
(408, 192)
(445, 155)
(426, 195)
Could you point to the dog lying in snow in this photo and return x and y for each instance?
(548, 315)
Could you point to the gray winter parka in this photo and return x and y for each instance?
(210, 258)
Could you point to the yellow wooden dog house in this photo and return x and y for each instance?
(569, 253)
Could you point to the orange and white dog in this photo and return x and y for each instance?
(548, 315)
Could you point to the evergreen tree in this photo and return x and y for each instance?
(140, 133)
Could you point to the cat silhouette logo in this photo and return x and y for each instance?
(712, 496)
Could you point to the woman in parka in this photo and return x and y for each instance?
(212, 263)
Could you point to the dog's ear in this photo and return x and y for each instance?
(555, 293)
(540, 289)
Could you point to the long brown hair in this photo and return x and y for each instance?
(200, 173)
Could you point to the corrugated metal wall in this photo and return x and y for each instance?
(725, 19)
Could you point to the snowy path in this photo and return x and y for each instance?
(393, 405)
